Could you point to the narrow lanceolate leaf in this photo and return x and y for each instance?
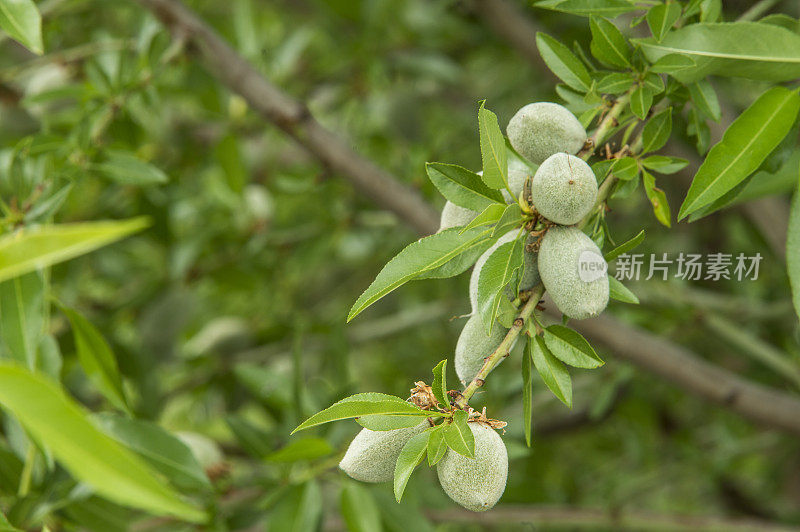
(412, 454)
(163, 451)
(744, 146)
(793, 250)
(658, 199)
(705, 99)
(641, 101)
(498, 270)
(387, 422)
(608, 44)
(663, 164)
(493, 150)
(553, 373)
(439, 385)
(488, 216)
(90, 456)
(511, 218)
(299, 510)
(22, 317)
(419, 257)
(737, 49)
(672, 63)
(359, 509)
(363, 404)
(607, 8)
(615, 83)
(97, 359)
(527, 392)
(127, 169)
(31, 249)
(305, 449)
(22, 21)
(625, 247)
(458, 436)
(662, 17)
(570, 347)
(563, 63)
(436, 445)
(657, 130)
(462, 187)
(620, 292)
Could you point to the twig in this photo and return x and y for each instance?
(294, 118)
(757, 10)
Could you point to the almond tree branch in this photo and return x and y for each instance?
(294, 118)
(661, 357)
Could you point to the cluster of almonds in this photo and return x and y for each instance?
(563, 191)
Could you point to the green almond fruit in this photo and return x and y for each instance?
(574, 272)
(474, 345)
(564, 189)
(541, 129)
(476, 483)
(455, 216)
(372, 454)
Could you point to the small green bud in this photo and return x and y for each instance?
(372, 454)
(573, 272)
(474, 345)
(564, 189)
(455, 216)
(541, 129)
(476, 483)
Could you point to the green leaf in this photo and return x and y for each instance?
(654, 82)
(359, 509)
(608, 44)
(22, 317)
(439, 385)
(570, 347)
(437, 447)
(97, 359)
(22, 21)
(626, 247)
(563, 63)
(527, 393)
(382, 422)
(489, 216)
(625, 168)
(663, 164)
(163, 451)
(608, 8)
(34, 248)
(412, 454)
(498, 270)
(793, 250)
(305, 449)
(672, 64)
(458, 435)
(554, 375)
(615, 83)
(510, 219)
(362, 404)
(5, 526)
(662, 17)
(697, 127)
(90, 456)
(493, 150)
(641, 101)
(763, 52)
(657, 130)
(705, 99)
(658, 199)
(620, 292)
(127, 169)
(462, 187)
(418, 257)
(744, 146)
(299, 510)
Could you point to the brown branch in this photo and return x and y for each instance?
(680, 366)
(293, 117)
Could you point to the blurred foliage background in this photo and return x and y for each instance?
(227, 316)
